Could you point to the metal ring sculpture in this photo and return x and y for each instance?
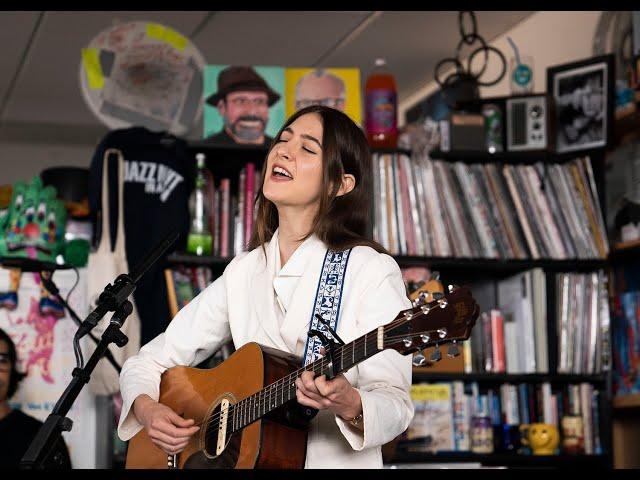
(469, 38)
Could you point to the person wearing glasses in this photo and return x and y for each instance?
(320, 87)
(17, 429)
(243, 100)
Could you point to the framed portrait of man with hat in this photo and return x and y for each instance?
(243, 104)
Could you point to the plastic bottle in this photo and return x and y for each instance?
(381, 108)
(200, 239)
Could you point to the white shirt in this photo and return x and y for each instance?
(242, 305)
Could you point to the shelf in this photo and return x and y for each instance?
(254, 149)
(207, 145)
(391, 150)
(423, 375)
(483, 265)
(473, 156)
(499, 265)
(197, 260)
(627, 245)
(626, 401)
(625, 251)
(505, 459)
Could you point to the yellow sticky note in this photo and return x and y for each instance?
(91, 64)
(167, 35)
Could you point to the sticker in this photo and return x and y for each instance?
(167, 35)
(91, 64)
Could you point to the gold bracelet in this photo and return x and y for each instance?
(356, 421)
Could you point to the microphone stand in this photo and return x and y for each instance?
(52, 288)
(113, 298)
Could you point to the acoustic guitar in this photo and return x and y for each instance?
(246, 406)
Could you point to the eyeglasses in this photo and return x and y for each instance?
(331, 102)
(245, 102)
(5, 362)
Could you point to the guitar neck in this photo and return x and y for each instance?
(281, 391)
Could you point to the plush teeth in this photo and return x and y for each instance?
(282, 171)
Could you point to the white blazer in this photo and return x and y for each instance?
(241, 305)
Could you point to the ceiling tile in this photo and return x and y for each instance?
(48, 89)
(414, 42)
(15, 30)
(288, 39)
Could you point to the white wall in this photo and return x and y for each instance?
(550, 38)
(21, 161)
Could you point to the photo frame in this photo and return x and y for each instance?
(583, 103)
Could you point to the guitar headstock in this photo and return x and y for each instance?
(447, 319)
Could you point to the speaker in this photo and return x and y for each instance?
(527, 122)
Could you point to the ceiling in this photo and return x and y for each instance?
(40, 98)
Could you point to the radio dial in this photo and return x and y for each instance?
(536, 111)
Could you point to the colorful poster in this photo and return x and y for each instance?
(44, 347)
(337, 88)
(243, 104)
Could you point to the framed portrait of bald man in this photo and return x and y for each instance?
(337, 88)
(244, 104)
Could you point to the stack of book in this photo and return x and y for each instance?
(511, 336)
(444, 413)
(232, 214)
(454, 209)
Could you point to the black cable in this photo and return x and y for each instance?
(74, 285)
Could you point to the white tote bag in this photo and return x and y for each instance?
(104, 266)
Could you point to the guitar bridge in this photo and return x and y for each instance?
(172, 462)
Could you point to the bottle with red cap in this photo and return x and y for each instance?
(381, 108)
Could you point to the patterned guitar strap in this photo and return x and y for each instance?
(327, 301)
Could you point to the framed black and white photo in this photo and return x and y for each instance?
(583, 96)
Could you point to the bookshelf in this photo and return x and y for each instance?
(228, 161)
(509, 460)
(461, 270)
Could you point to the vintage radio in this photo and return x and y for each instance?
(527, 121)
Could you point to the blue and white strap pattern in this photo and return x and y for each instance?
(327, 302)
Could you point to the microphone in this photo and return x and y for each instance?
(114, 296)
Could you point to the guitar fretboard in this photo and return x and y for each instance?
(280, 392)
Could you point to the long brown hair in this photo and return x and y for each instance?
(341, 222)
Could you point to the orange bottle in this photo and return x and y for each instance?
(381, 108)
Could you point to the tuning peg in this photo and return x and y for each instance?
(419, 359)
(424, 338)
(436, 356)
(442, 332)
(407, 342)
(451, 288)
(453, 350)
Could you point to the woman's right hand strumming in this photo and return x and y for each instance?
(169, 431)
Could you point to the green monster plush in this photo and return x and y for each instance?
(33, 227)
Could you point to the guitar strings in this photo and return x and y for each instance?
(280, 386)
(284, 384)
